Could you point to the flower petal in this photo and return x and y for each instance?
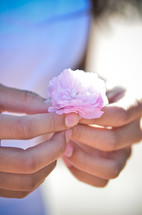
(79, 92)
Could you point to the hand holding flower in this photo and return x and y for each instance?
(22, 171)
(97, 154)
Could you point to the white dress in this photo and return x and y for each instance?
(38, 39)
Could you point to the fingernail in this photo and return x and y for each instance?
(69, 151)
(71, 120)
(68, 134)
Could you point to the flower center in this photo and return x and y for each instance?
(74, 93)
(71, 93)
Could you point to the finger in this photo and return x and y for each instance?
(108, 139)
(118, 114)
(103, 165)
(105, 154)
(87, 178)
(15, 160)
(25, 182)
(13, 194)
(21, 101)
(115, 94)
(30, 126)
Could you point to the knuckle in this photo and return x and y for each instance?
(22, 195)
(114, 170)
(57, 122)
(29, 164)
(29, 96)
(54, 124)
(103, 183)
(31, 183)
(27, 183)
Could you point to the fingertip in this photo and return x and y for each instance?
(68, 135)
(69, 150)
(71, 120)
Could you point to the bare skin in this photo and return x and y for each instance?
(96, 154)
(22, 171)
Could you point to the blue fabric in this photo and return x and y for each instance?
(38, 39)
(39, 9)
(31, 205)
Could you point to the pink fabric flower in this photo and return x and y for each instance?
(79, 92)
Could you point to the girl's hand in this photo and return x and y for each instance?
(22, 171)
(100, 147)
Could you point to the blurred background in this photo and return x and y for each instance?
(115, 52)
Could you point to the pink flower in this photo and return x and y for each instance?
(79, 92)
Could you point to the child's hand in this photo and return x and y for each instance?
(22, 171)
(97, 154)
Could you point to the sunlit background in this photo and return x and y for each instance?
(115, 52)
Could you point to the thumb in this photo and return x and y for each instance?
(115, 94)
(21, 101)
